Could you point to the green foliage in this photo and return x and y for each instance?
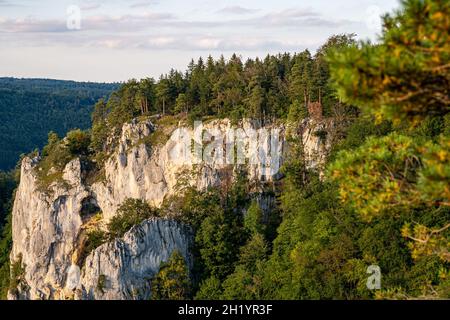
(129, 101)
(245, 281)
(7, 184)
(323, 250)
(434, 178)
(30, 108)
(221, 242)
(379, 175)
(242, 284)
(427, 241)
(17, 282)
(273, 88)
(132, 212)
(94, 239)
(210, 289)
(256, 101)
(5, 248)
(297, 110)
(314, 256)
(218, 240)
(172, 281)
(406, 76)
(55, 156)
(101, 283)
(404, 79)
(181, 104)
(323, 247)
(357, 132)
(219, 230)
(52, 142)
(195, 205)
(253, 252)
(253, 220)
(78, 142)
(156, 138)
(100, 130)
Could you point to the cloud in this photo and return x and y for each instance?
(200, 42)
(29, 24)
(164, 31)
(147, 21)
(159, 42)
(7, 3)
(143, 4)
(236, 10)
(129, 22)
(292, 13)
(102, 23)
(90, 6)
(293, 18)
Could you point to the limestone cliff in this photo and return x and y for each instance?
(127, 265)
(137, 170)
(49, 225)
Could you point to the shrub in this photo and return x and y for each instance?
(132, 212)
(52, 142)
(78, 142)
(55, 156)
(94, 239)
(17, 276)
(101, 283)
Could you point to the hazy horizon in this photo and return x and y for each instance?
(117, 40)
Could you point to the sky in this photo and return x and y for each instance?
(116, 40)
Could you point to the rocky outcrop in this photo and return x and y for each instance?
(48, 224)
(316, 140)
(153, 173)
(123, 268)
(46, 230)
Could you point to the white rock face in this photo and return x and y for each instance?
(48, 225)
(316, 143)
(137, 171)
(126, 265)
(45, 229)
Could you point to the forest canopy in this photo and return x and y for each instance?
(30, 108)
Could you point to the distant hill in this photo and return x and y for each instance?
(30, 108)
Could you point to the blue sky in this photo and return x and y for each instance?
(123, 39)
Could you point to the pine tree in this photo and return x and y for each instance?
(181, 104)
(256, 100)
(162, 93)
(300, 86)
(405, 78)
(172, 281)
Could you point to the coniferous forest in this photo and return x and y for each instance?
(30, 108)
(384, 198)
